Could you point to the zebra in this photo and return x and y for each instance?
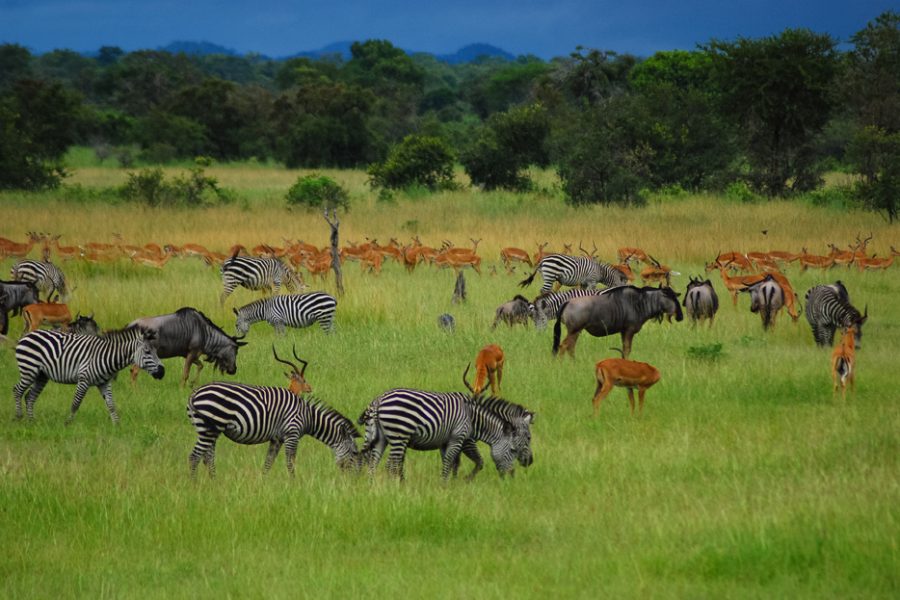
(84, 360)
(297, 310)
(257, 274)
(45, 276)
(827, 308)
(582, 271)
(249, 414)
(548, 305)
(451, 422)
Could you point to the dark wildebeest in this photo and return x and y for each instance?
(517, 310)
(189, 333)
(621, 310)
(14, 296)
(84, 325)
(766, 298)
(701, 301)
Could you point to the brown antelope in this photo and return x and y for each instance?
(267, 251)
(875, 263)
(298, 384)
(790, 298)
(150, 259)
(656, 273)
(629, 374)
(11, 249)
(541, 254)
(51, 313)
(738, 282)
(509, 254)
(63, 252)
(782, 256)
(841, 257)
(488, 368)
(392, 250)
(808, 260)
(733, 260)
(859, 249)
(189, 250)
(627, 255)
(457, 262)
(843, 362)
(567, 249)
(625, 270)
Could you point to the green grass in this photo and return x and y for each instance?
(745, 476)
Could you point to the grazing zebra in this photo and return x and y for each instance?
(45, 276)
(547, 306)
(575, 270)
(451, 422)
(267, 274)
(827, 308)
(249, 414)
(298, 310)
(84, 360)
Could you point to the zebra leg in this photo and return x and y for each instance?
(36, 388)
(25, 382)
(274, 447)
(450, 456)
(80, 390)
(396, 457)
(375, 452)
(470, 449)
(106, 390)
(229, 287)
(290, 451)
(326, 322)
(278, 324)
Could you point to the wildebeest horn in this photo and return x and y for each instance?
(286, 362)
(465, 381)
(303, 370)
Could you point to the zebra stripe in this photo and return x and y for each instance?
(827, 308)
(451, 422)
(300, 310)
(547, 306)
(575, 270)
(83, 360)
(46, 277)
(257, 274)
(249, 414)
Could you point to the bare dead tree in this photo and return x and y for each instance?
(459, 290)
(335, 252)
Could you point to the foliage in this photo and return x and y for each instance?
(507, 144)
(318, 191)
(778, 90)
(417, 160)
(871, 83)
(875, 154)
(196, 188)
(708, 352)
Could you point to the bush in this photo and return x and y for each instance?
(318, 191)
(417, 160)
(194, 189)
(740, 191)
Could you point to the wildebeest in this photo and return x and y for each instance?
(189, 333)
(622, 310)
(15, 295)
(766, 298)
(85, 325)
(701, 301)
(515, 311)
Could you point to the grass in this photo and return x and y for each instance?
(745, 476)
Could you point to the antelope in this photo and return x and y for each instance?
(843, 362)
(841, 257)
(790, 298)
(267, 251)
(626, 255)
(188, 250)
(629, 374)
(298, 384)
(737, 283)
(541, 254)
(488, 366)
(392, 250)
(782, 256)
(567, 249)
(875, 263)
(96, 256)
(859, 250)
(808, 260)
(459, 261)
(52, 313)
(11, 249)
(150, 259)
(591, 254)
(656, 273)
(509, 254)
(625, 270)
(63, 252)
(735, 260)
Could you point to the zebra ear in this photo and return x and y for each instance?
(529, 418)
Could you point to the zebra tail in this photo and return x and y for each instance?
(557, 329)
(527, 281)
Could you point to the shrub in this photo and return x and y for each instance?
(318, 191)
(194, 189)
(417, 160)
(740, 191)
(708, 352)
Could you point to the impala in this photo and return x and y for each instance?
(808, 260)
(52, 313)
(629, 374)
(488, 368)
(509, 254)
(843, 362)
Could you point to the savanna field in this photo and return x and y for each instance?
(744, 477)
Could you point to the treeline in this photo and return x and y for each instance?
(767, 116)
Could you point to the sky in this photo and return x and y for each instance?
(546, 29)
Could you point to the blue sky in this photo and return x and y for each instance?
(547, 29)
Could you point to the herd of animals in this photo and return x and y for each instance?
(76, 352)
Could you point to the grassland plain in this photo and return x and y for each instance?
(745, 476)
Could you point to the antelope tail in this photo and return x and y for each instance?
(557, 329)
(843, 368)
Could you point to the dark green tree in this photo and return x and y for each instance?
(779, 92)
(15, 64)
(417, 160)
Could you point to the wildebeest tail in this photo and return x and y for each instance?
(557, 329)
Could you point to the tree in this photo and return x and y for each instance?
(507, 144)
(417, 160)
(778, 91)
(15, 64)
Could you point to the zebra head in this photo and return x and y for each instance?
(346, 455)
(145, 355)
(503, 450)
(522, 439)
(242, 325)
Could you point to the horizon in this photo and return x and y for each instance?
(524, 27)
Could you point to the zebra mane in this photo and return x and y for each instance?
(111, 334)
(329, 411)
(502, 408)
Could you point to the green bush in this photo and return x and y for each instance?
(740, 191)
(417, 160)
(150, 186)
(318, 191)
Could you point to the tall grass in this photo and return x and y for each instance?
(745, 476)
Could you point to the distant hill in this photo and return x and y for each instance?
(465, 54)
